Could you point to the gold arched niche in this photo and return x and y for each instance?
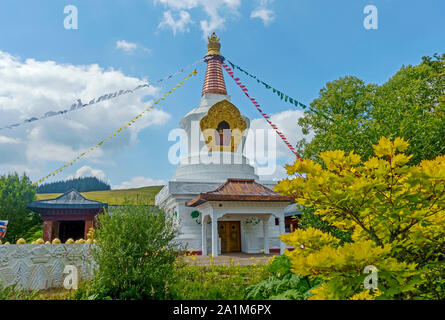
(219, 112)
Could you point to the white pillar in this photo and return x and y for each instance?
(204, 236)
(214, 235)
(282, 231)
(266, 235)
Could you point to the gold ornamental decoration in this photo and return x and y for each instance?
(225, 115)
(213, 46)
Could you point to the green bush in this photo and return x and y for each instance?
(135, 254)
(282, 284)
(15, 194)
(15, 292)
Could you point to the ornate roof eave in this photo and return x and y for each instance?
(230, 192)
(71, 199)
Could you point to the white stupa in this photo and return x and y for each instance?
(215, 181)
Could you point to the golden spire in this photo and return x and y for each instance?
(213, 46)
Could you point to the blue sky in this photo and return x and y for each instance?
(295, 45)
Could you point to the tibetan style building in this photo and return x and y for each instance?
(220, 204)
(67, 216)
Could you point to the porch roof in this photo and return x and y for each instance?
(239, 190)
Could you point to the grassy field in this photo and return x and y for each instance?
(144, 195)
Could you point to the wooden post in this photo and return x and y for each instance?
(47, 230)
(88, 225)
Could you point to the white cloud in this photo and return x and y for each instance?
(31, 88)
(138, 182)
(279, 174)
(263, 12)
(180, 25)
(216, 11)
(287, 123)
(126, 46)
(129, 47)
(8, 140)
(87, 171)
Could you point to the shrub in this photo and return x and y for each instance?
(394, 212)
(15, 292)
(15, 194)
(135, 254)
(282, 284)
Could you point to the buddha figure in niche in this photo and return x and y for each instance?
(223, 135)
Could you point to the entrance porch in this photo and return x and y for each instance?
(239, 217)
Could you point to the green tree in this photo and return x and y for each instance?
(135, 253)
(15, 193)
(394, 212)
(410, 105)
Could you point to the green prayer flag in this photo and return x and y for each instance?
(291, 100)
(285, 98)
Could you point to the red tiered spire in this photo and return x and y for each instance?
(214, 79)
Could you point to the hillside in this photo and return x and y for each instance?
(144, 195)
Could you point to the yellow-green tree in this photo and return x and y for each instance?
(396, 216)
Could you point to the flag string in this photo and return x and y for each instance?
(129, 124)
(80, 105)
(257, 106)
(279, 93)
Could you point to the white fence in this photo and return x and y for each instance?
(41, 266)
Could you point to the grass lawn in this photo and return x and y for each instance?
(191, 282)
(144, 195)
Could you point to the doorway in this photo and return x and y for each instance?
(230, 234)
(71, 229)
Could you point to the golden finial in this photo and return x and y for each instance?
(213, 46)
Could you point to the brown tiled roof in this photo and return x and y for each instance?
(239, 190)
(214, 79)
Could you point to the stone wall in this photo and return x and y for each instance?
(40, 266)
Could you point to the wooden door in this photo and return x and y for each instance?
(230, 234)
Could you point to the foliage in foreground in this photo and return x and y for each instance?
(135, 254)
(15, 193)
(282, 284)
(215, 282)
(394, 212)
(15, 292)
